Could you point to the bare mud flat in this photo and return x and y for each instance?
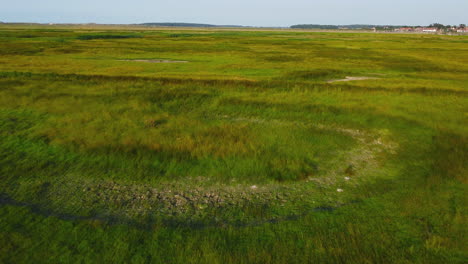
(351, 78)
(157, 61)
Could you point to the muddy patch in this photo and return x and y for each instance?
(351, 78)
(157, 61)
(150, 222)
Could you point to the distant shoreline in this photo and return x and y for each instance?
(159, 26)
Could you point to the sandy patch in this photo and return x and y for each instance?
(157, 61)
(351, 78)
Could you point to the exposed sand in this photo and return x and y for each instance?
(351, 78)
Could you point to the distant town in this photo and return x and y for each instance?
(432, 28)
(435, 28)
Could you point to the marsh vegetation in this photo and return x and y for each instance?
(249, 153)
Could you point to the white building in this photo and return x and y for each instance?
(429, 30)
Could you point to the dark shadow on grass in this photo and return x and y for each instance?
(285, 83)
(151, 221)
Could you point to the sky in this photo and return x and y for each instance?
(267, 13)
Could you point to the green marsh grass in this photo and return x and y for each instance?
(235, 156)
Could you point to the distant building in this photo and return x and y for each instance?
(404, 29)
(462, 30)
(429, 30)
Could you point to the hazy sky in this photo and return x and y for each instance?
(238, 12)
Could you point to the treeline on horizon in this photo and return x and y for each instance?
(298, 26)
(318, 26)
(185, 25)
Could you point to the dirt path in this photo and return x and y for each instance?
(351, 78)
(157, 61)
